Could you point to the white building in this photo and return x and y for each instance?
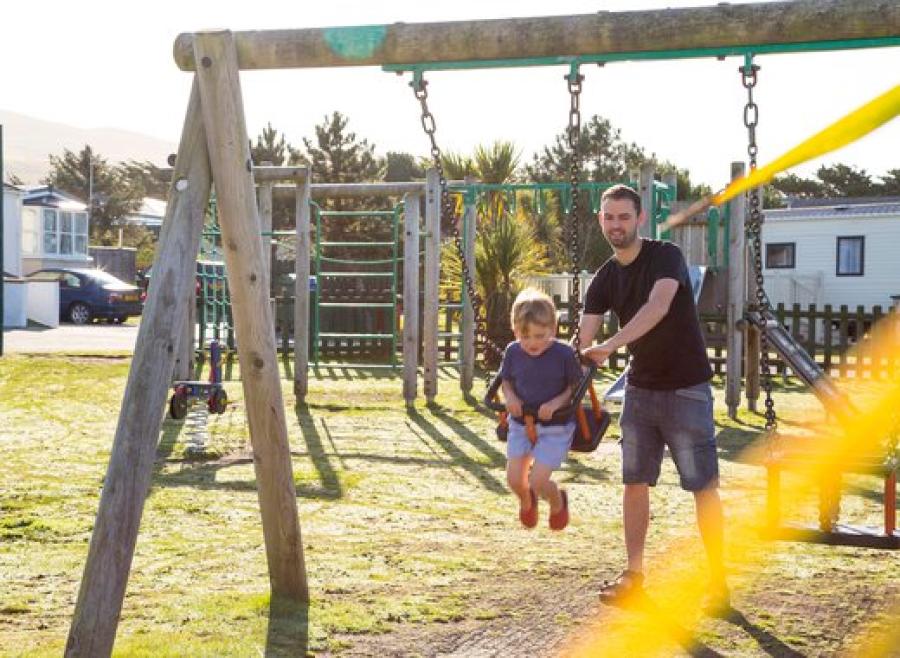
(150, 214)
(12, 229)
(54, 230)
(833, 251)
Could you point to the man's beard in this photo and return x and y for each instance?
(622, 240)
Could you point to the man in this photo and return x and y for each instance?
(668, 399)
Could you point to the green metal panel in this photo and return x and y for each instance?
(726, 233)
(317, 298)
(321, 259)
(712, 236)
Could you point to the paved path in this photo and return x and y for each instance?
(71, 338)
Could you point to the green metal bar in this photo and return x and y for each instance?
(644, 55)
(346, 274)
(357, 213)
(397, 210)
(346, 261)
(318, 296)
(356, 305)
(712, 236)
(666, 199)
(461, 188)
(369, 335)
(357, 244)
(726, 231)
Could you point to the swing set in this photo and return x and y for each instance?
(214, 148)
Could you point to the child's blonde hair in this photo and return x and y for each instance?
(532, 307)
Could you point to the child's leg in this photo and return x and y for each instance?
(545, 487)
(549, 453)
(517, 477)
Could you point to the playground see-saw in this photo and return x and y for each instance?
(380, 298)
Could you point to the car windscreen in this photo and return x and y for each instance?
(102, 277)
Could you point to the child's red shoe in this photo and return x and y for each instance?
(529, 517)
(560, 519)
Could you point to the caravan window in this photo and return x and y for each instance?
(850, 255)
(781, 255)
(31, 232)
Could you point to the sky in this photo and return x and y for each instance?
(97, 64)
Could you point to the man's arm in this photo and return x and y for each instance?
(587, 329)
(647, 317)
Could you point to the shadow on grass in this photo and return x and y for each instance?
(288, 631)
(480, 471)
(338, 372)
(331, 487)
(170, 434)
(663, 621)
(733, 441)
(766, 641)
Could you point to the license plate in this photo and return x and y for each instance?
(130, 298)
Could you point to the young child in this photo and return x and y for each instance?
(539, 373)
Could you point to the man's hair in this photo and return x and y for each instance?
(621, 192)
(532, 307)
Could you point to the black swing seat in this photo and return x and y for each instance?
(591, 423)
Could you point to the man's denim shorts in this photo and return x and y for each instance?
(681, 419)
(552, 445)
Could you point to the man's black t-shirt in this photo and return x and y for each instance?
(672, 354)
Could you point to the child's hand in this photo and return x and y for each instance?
(514, 407)
(546, 411)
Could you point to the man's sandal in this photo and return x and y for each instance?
(625, 589)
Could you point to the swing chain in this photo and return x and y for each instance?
(449, 217)
(753, 231)
(573, 137)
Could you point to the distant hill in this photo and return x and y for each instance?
(27, 143)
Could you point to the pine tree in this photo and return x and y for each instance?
(339, 156)
(112, 196)
(148, 177)
(270, 147)
(399, 167)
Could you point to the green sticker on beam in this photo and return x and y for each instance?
(355, 42)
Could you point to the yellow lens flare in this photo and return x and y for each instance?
(670, 618)
(842, 132)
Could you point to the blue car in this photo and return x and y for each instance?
(88, 294)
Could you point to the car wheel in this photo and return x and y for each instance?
(120, 319)
(80, 313)
(218, 402)
(178, 405)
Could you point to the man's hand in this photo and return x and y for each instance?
(599, 353)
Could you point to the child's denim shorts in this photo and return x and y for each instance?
(552, 444)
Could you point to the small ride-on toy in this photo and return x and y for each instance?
(211, 391)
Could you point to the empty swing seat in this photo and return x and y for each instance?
(796, 453)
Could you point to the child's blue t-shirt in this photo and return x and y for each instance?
(537, 379)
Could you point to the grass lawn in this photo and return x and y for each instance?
(412, 542)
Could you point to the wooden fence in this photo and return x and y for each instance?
(828, 333)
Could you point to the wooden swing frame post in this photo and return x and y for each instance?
(102, 588)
